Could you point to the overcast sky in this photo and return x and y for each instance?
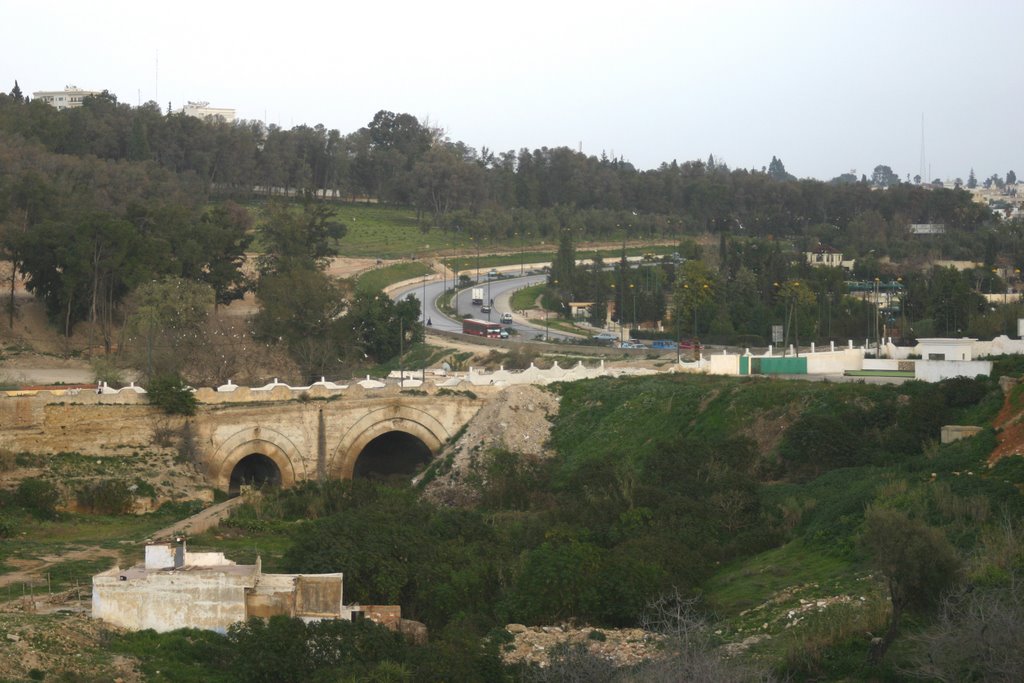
(827, 86)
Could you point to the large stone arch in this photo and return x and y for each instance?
(397, 418)
(273, 444)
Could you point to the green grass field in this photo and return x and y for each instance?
(748, 583)
(526, 297)
(379, 278)
(387, 232)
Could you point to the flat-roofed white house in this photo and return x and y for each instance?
(70, 97)
(927, 229)
(203, 110)
(941, 348)
(175, 589)
(825, 257)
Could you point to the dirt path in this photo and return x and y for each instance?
(35, 570)
(200, 522)
(32, 571)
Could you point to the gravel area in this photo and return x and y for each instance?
(515, 419)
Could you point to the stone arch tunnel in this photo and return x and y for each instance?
(287, 442)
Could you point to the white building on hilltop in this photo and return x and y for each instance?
(203, 110)
(69, 98)
(824, 256)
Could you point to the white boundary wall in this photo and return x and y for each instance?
(938, 370)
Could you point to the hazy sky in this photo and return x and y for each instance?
(827, 86)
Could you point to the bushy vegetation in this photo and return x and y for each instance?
(735, 493)
(658, 481)
(106, 497)
(38, 496)
(172, 395)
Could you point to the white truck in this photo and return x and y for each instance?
(478, 296)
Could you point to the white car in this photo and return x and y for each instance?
(506, 318)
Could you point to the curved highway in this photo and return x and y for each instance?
(498, 290)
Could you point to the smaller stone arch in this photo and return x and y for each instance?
(415, 422)
(257, 441)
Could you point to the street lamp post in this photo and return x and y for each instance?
(632, 287)
(618, 308)
(455, 271)
(678, 340)
(546, 324)
(423, 304)
(796, 318)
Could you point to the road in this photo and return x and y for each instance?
(498, 290)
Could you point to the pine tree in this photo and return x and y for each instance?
(972, 181)
(16, 93)
(777, 170)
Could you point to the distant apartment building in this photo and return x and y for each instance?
(203, 110)
(927, 229)
(824, 256)
(69, 98)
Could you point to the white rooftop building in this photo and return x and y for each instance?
(176, 589)
(69, 98)
(203, 110)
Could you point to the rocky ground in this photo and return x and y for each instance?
(65, 643)
(620, 647)
(516, 419)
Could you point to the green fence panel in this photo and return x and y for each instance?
(782, 366)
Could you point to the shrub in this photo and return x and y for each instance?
(8, 460)
(107, 371)
(188, 448)
(172, 395)
(38, 497)
(107, 497)
(6, 528)
(960, 392)
(817, 443)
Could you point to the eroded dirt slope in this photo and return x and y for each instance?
(516, 419)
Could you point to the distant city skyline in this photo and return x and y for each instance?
(828, 88)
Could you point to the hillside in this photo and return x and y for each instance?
(747, 496)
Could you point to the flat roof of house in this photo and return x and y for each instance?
(139, 571)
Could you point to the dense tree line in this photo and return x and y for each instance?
(397, 159)
(85, 231)
(96, 201)
(136, 252)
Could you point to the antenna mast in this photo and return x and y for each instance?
(924, 165)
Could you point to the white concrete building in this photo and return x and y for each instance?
(824, 256)
(69, 98)
(177, 589)
(203, 110)
(943, 348)
(927, 229)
